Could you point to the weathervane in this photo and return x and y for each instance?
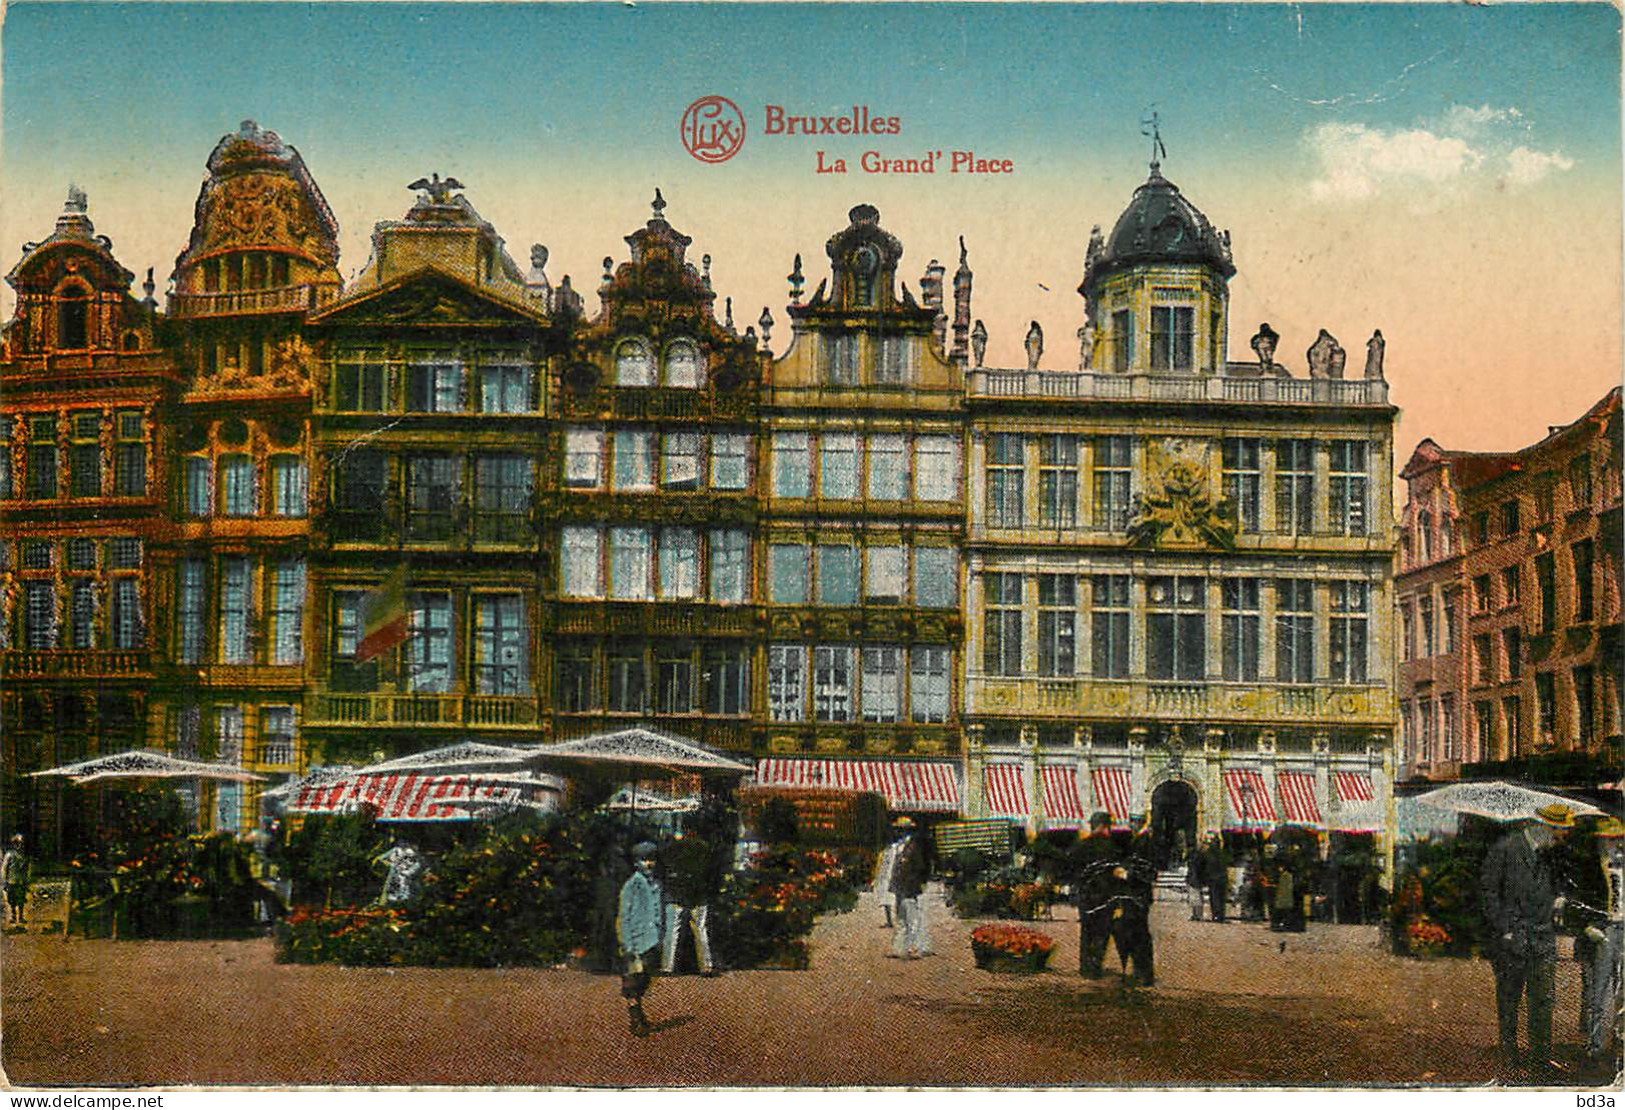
(1152, 129)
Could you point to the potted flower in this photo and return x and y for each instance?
(1011, 948)
(1426, 937)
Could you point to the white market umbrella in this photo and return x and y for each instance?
(1499, 801)
(147, 765)
(469, 755)
(650, 801)
(637, 753)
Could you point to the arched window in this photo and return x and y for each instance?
(633, 363)
(73, 319)
(682, 364)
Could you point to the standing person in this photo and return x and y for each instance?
(1216, 861)
(885, 872)
(637, 926)
(1195, 881)
(912, 937)
(1599, 907)
(1092, 888)
(1520, 901)
(401, 880)
(693, 880)
(16, 873)
(1136, 878)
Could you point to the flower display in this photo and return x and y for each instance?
(1016, 941)
(1426, 937)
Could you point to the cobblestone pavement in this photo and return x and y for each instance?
(1231, 1007)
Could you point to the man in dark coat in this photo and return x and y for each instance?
(912, 937)
(1093, 886)
(696, 864)
(1519, 895)
(1136, 880)
(1216, 870)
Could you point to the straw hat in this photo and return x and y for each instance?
(1557, 815)
(1610, 827)
(644, 850)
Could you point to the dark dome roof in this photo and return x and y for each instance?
(1160, 225)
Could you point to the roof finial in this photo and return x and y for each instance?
(728, 308)
(658, 204)
(1152, 128)
(705, 262)
(77, 201)
(962, 250)
(796, 281)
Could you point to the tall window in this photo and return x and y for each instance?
(577, 666)
(428, 645)
(1579, 482)
(1113, 468)
(288, 612)
(82, 611)
(236, 609)
(680, 454)
(730, 460)
(1511, 584)
(85, 456)
(786, 681)
(237, 485)
(1509, 518)
(73, 320)
(1447, 620)
(1243, 480)
(882, 684)
(130, 464)
(1057, 625)
(936, 468)
(360, 488)
(936, 577)
(634, 460)
(1483, 596)
(1176, 628)
(725, 681)
(1483, 659)
(358, 382)
(628, 680)
(501, 498)
(928, 685)
(1058, 481)
(1449, 726)
(1122, 340)
(583, 458)
(1171, 330)
(1546, 706)
(679, 563)
(634, 365)
(682, 364)
(1584, 599)
(837, 574)
(885, 578)
(792, 464)
(1430, 643)
(504, 386)
(345, 673)
(433, 382)
(832, 682)
(1546, 583)
(1427, 723)
(288, 485)
(629, 563)
(1238, 630)
(896, 360)
(888, 469)
(838, 466)
(1351, 607)
(1006, 495)
(787, 573)
(277, 734)
(1295, 487)
(501, 648)
(42, 461)
(190, 611)
(730, 564)
(1109, 625)
(433, 495)
(1001, 632)
(1348, 487)
(581, 574)
(838, 358)
(1545, 499)
(1512, 651)
(39, 614)
(1512, 722)
(1585, 704)
(1484, 728)
(1294, 630)
(228, 798)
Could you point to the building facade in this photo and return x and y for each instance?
(1179, 590)
(1527, 543)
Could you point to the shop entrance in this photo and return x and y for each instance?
(1173, 822)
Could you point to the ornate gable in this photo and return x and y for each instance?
(428, 298)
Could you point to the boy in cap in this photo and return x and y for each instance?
(1520, 902)
(637, 927)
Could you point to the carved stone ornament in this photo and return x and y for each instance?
(1181, 513)
(263, 210)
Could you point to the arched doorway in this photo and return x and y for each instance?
(1173, 822)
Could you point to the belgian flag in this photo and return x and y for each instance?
(383, 617)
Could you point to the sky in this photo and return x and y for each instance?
(1449, 173)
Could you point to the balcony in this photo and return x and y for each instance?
(75, 664)
(651, 618)
(1180, 701)
(328, 709)
(1073, 385)
(248, 302)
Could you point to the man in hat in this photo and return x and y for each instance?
(16, 873)
(1598, 910)
(911, 938)
(1093, 885)
(637, 926)
(1520, 902)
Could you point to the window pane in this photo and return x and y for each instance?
(730, 565)
(583, 453)
(629, 563)
(936, 577)
(792, 464)
(429, 647)
(882, 684)
(633, 364)
(288, 613)
(288, 486)
(236, 616)
(634, 460)
(838, 476)
(682, 365)
(936, 468)
(730, 462)
(928, 685)
(501, 646)
(679, 562)
(832, 683)
(887, 476)
(680, 460)
(884, 582)
(837, 574)
(237, 485)
(581, 575)
(787, 573)
(786, 682)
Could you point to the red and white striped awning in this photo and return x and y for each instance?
(1248, 804)
(1063, 803)
(1114, 789)
(1004, 785)
(407, 797)
(907, 785)
(1355, 807)
(1298, 798)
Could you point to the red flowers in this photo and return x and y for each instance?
(1009, 940)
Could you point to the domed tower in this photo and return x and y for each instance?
(263, 253)
(1156, 291)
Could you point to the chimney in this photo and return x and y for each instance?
(962, 280)
(931, 291)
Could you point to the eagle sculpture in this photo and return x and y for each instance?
(439, 191)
